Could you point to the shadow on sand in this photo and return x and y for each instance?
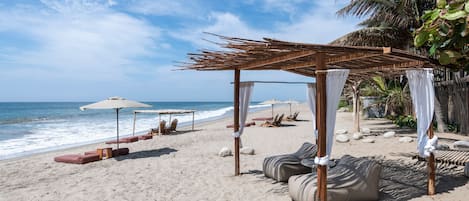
(146, 154)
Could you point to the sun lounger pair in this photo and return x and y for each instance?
(245, 125)
(263, 119)
(87, 157)
(352, 179)
(282, 167)
(164, 129)
(277, 122)
(292, 117)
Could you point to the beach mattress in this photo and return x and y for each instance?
(352, 179)
(124, 140)
(145, 137)
(115, 152)
(77, 159)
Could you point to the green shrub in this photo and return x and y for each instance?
(405, 121)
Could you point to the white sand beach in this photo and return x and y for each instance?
(185, 166)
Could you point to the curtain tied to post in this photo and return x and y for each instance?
(423, 99)
(335, 81)
(245, 91)
(311, 99)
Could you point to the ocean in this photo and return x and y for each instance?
(34, 127)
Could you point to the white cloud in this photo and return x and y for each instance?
(287, 6)
(164, 7)
(317, 25)
(79, 40)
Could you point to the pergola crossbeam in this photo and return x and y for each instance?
(277, 59)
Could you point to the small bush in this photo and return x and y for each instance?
(405, 121)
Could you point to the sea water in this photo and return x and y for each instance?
(34, 127)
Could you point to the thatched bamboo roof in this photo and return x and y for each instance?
(300, 58)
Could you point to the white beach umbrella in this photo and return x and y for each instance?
(290, 102)
(271, 102)
(116, 103)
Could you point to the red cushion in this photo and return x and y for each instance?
(77, 159)
(124, 140)
(145, 137)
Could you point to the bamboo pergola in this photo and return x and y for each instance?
(310, 60)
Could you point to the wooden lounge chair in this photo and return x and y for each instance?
(271, 123)
(172, 127)
(451, 157)
(155, 131)
(292, 117)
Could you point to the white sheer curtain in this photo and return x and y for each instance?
(311, 98)
(423, 99)
(335, 82)
(245, 91)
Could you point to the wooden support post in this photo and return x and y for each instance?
(236, 119)
(431, 166)
(356, 106)
(135, 119)
(321, 108)
(193, 117)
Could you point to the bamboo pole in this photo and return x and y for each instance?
(236, 119)
(135, 118)
(321, 108)
(431, 166)
(193, 117)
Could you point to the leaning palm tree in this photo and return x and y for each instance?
(387, 22)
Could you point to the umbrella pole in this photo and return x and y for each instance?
(290, 109)
(117, 122)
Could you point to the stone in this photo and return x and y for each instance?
(342, 138)
(343, 109)
(368, 140)
(389, 134)
(247, 151)
(357, 136)
(442, 147)
(224, 152)
(406, 139)
(461, 145)
(365, 130)
(341, 131)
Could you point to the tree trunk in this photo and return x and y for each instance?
(356, 107)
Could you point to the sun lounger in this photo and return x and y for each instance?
(352, 179)
(124, 140)
(277, 122)
(292, 117)
(245, 125)
(155, 131)
(281, 167)
(452, 157)
(77, 158)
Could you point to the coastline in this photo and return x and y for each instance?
(185, 166)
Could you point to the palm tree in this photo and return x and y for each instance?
(387, 23)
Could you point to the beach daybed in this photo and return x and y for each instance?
(124, 140)
(282, 167)
(352, 179)
(77, 158)
(115, 152)
(245, 125)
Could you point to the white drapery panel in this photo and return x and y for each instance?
(423, 99)
(311, 98)
(335, 81)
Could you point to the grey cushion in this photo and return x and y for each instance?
(351, 179)
(282, 167)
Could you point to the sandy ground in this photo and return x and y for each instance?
(185, 166)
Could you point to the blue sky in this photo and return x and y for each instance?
(87, 50)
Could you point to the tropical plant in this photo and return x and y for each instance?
(445, 32)
(387, 22)
(393, 94)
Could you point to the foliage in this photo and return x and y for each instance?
(405, 121)
(387, 22)
(394, 94)
(445, 32)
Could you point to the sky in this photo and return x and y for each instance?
(88, 50)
